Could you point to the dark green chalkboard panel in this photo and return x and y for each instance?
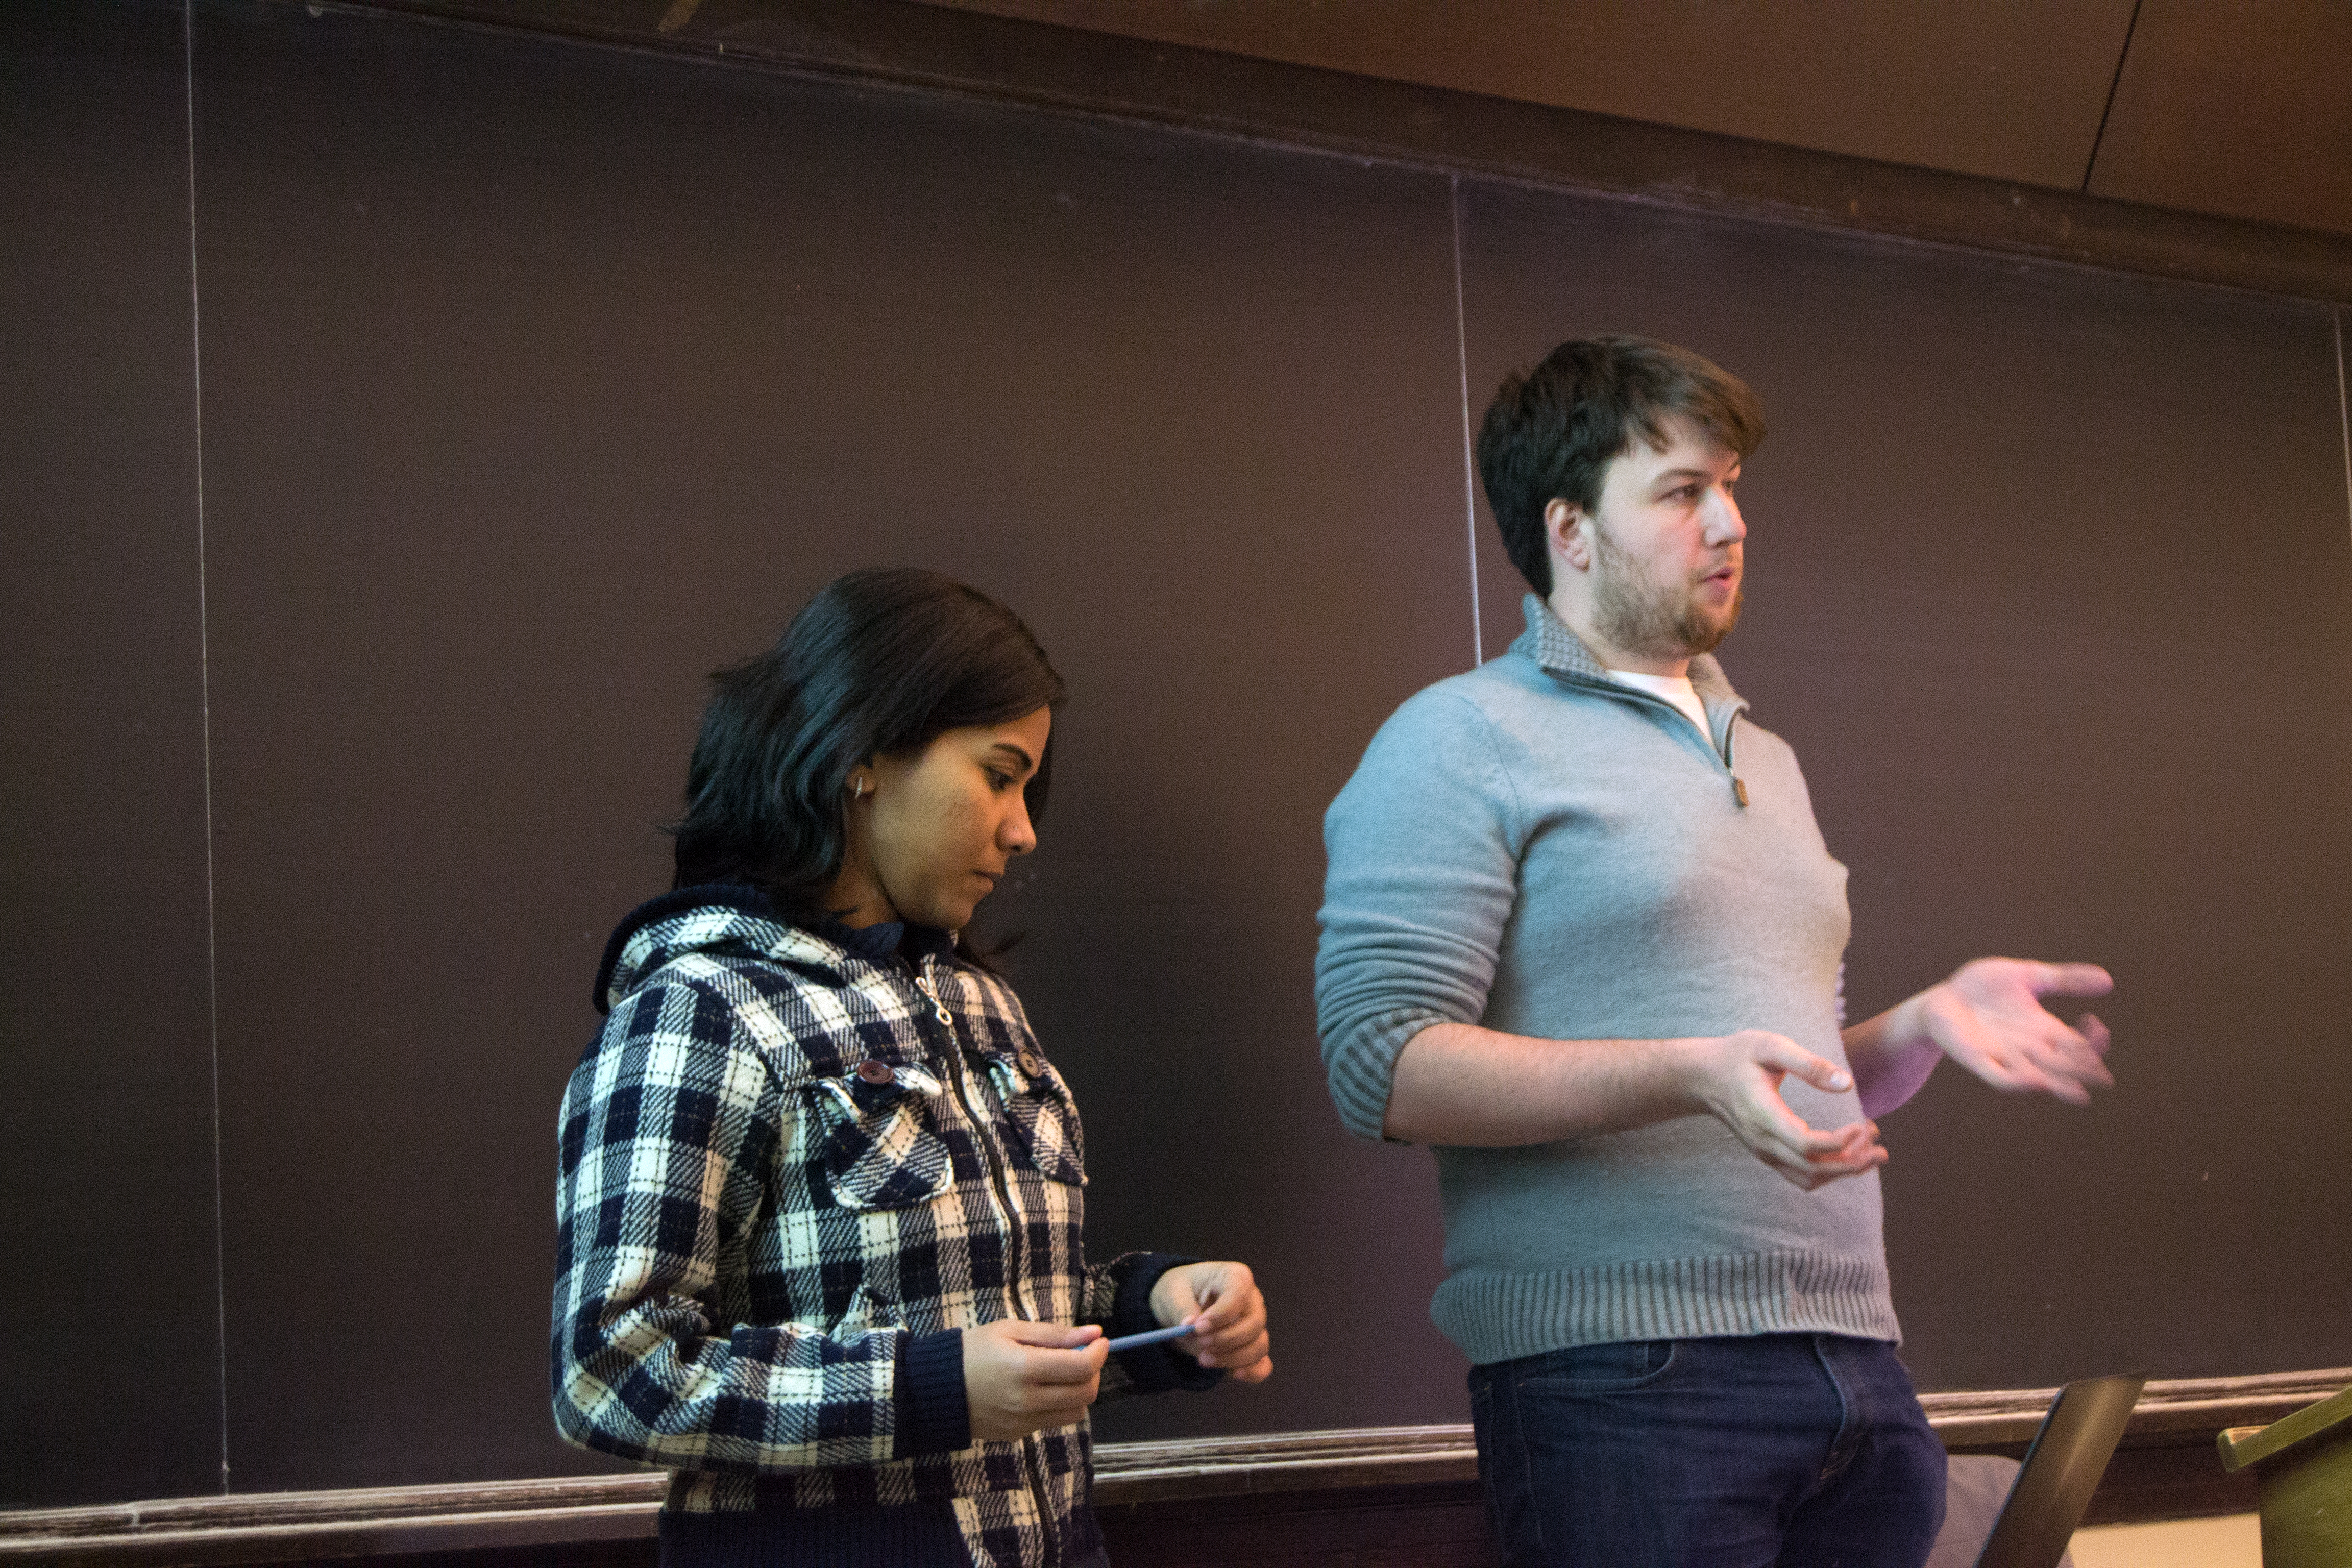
(111, 1318)
(545, 380)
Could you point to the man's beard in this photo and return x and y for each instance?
(1649, 619)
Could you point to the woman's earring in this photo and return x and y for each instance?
(857, 788)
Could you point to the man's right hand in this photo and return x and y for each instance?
(1738, 1079)
(1021, 1377)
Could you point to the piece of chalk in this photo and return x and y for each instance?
(1156, 1337)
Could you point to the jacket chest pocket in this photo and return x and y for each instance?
(1044, 1120)
(879, 1142)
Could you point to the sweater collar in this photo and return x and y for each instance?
(1554, 647)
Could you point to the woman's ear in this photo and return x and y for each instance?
(865, 778)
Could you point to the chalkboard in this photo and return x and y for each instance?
(538, 380)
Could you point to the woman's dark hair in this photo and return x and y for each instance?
(1551, 432)
(880, 662)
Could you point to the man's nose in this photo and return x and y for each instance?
(1723, 523)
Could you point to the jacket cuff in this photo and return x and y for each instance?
(1154, 1369)
(934, 1412)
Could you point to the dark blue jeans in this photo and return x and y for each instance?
(1799, 1450)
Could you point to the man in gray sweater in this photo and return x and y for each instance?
(1581, 935)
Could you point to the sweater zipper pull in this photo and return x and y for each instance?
(1738, 784)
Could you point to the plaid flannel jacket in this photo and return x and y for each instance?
(788, 1177)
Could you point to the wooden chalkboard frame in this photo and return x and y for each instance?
(2166, 1469)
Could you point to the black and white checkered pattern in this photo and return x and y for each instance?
(781, 1163)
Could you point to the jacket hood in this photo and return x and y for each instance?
(730, 917)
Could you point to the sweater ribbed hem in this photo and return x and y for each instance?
(1502, 1316)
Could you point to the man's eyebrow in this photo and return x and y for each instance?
(1691, 474)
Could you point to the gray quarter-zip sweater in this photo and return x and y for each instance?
(1538, 849)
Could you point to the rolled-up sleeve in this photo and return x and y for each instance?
(1423, 871)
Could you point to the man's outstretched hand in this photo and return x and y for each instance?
(1989, 1018)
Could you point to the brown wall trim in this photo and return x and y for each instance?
(2167, 1448)
(2193, 1409)
(1065, 69)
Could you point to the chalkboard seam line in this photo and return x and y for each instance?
(1461, 364)
(205, 704)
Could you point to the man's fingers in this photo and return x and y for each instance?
(2054, 1059)
(1749, 1103)
(2083, 1064)
(2016, 1072)
(2071, 980)
(1820, 1173)
(1857, 1150)
(2039, 1054)
(1777, 1052)
(1858, 1143)
(1790, 1132)
(1808, 1156)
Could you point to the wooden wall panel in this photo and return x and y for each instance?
(2237, 110)
(2011, 93)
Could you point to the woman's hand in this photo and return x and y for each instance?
(1021, 1377)
(1228, 1316)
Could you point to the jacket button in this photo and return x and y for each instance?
(877, 1072)
(1032, 1063)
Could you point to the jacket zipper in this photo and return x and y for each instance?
(1032, 1457)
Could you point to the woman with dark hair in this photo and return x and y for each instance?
(821, 1195)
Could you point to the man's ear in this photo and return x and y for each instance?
(1564, 529)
